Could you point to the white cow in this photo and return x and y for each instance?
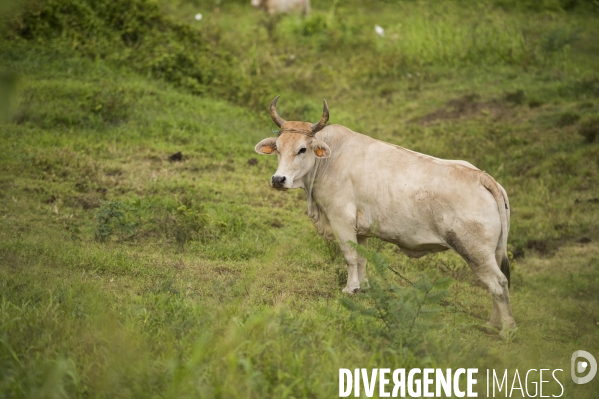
(283, 6)
(358, 187)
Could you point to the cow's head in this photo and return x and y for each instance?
(296, 147)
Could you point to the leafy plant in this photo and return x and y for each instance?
(314, 25)
(404, 313)
(558, 39)
(188, 225)
(115, 217)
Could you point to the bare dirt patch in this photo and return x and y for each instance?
(538, 245)
(176, 157)
(468, 106)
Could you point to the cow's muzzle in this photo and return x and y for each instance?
(278, 181)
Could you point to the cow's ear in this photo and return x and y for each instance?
(267, 146)
(321, 150)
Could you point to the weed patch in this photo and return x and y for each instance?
(187, 225)
(114, 217)
(567, 119)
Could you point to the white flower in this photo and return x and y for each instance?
(379, 30)
(198, 17)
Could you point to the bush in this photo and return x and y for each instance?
(135, 34)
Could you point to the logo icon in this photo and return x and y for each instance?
(580, 366)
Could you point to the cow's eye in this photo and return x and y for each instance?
(301, 151)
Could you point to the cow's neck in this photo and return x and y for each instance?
(335, 137)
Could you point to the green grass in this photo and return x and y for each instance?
(125, 275)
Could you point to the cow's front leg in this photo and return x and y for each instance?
(347, 241)
(353, 276)
(343, 225)
(362, 266)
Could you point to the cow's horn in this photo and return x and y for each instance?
(273, 113)
(323, 121)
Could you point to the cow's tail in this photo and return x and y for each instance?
(503, 206)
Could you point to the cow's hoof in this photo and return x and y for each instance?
(364, 285)
(351, 291)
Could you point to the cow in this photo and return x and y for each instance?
(283, 6)
(359, 187)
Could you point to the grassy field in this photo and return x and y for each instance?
(126, 272)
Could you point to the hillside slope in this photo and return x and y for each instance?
(129, 271)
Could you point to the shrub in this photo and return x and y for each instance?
(403, 312)
(137, 35)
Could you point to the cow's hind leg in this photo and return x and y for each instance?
(489, 273)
